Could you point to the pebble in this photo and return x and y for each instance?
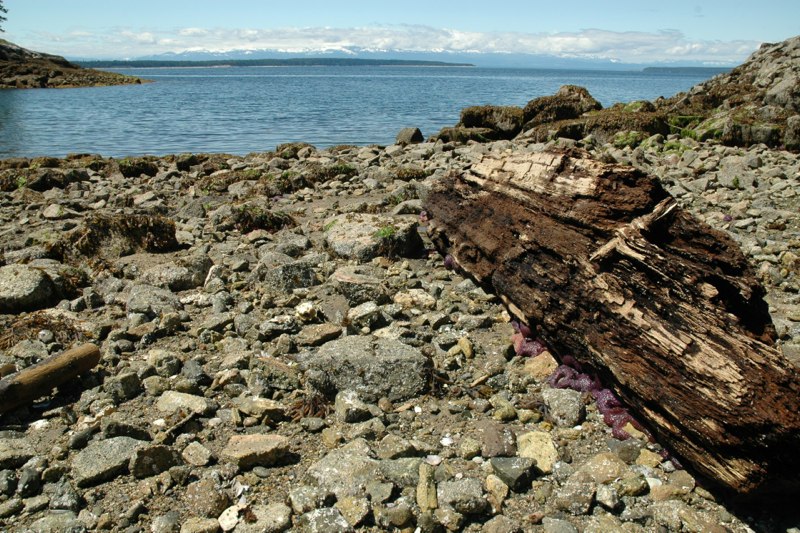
(539, 446)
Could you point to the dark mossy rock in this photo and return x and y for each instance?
(252, 216)
(14, 162)
(290, 150)
(638, 106)
(751, 104)
(604, 125)
(459, 134)
(791, 137)
(504, 121)
(569, 102)
(110, 236)
(40, 179)
(133, 167)
(186, 161)
(608, 123)
(45, 162)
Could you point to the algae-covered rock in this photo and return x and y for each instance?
(504, 121)
(570, 101)
(111, 236)
(133, 167)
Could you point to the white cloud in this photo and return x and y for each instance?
(631, 46)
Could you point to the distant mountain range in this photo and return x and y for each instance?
(381, 57)
(290, 62)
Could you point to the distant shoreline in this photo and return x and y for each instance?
(686, 70)
(292, 62)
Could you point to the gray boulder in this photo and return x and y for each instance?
(463, 495)
(409, 136)
(290, 276)
(504, 121)
(791, 138)
(370, 366)
(151, 301)
(360, 284)
(24, 288)
(363, 237)
(104, 460)
(327, 520)
(346, 471)
(565, 406)
(271, 518)
(183, 274)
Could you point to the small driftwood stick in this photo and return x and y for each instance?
(37, 380)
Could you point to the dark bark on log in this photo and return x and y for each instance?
(608, 269)
(38, 380)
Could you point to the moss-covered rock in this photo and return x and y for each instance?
(459, 134)
(504, 121)
(133, 167)
(109, 236)
(569, 102)
(252, 216)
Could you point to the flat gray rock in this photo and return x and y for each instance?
(363, 236)
(184, 274)
(463, 495)
(360, 284)
(272, 518)
(345, 471)
(104, 460)
(150, 300)
(173, 401)
(247, 451)
(370, 366)
(24, 288)
(15, 452)
(327, 520)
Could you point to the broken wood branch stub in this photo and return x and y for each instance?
(609, 269)
(38, 380)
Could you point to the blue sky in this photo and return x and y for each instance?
(711, 32)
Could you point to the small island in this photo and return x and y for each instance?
(25, 69)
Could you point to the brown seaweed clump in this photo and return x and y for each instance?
(103, 236)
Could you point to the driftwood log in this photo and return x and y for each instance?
(38, 380)
(606, 268)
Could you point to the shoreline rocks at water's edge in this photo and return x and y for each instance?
(245, 335)
(758, 102)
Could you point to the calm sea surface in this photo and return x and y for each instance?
(242, 109)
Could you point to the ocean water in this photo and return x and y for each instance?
(239, 110)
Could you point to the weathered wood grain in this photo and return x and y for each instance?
(606, 267)
(38, 380)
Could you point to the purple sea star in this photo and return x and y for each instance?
(614, 413)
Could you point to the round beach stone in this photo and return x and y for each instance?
(24, 288)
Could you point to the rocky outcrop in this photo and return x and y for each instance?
(569, 102)
(756, 103)
(25, 69)
(752, 104)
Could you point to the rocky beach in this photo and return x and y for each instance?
(281, 347)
